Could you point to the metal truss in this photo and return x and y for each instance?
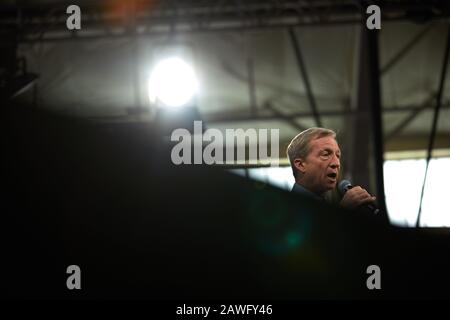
(147, 17)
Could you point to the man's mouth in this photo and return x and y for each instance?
(332, 175)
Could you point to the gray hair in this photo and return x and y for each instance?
(300, 145)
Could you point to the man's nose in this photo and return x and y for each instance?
(335, 162)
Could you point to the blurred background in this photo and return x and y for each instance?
(274, 64)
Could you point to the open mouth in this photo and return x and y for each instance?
(332, 175)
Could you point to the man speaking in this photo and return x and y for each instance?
(314, 155)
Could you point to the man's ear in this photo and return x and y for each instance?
(300, 165)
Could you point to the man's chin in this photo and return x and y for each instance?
(331, 183)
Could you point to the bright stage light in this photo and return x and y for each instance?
(172, 82)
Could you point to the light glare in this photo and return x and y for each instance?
(172, 82)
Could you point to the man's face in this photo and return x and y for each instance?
(321, 167)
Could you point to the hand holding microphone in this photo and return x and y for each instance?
(354, 197)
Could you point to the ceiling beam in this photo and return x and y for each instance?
(245, 116)
(406, 49)
(305, 77)
(402, 125)
(46, 22)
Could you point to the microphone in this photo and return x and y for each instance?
(345, 185)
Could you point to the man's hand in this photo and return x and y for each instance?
(355, 197)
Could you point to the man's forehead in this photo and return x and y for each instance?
(325, 142)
